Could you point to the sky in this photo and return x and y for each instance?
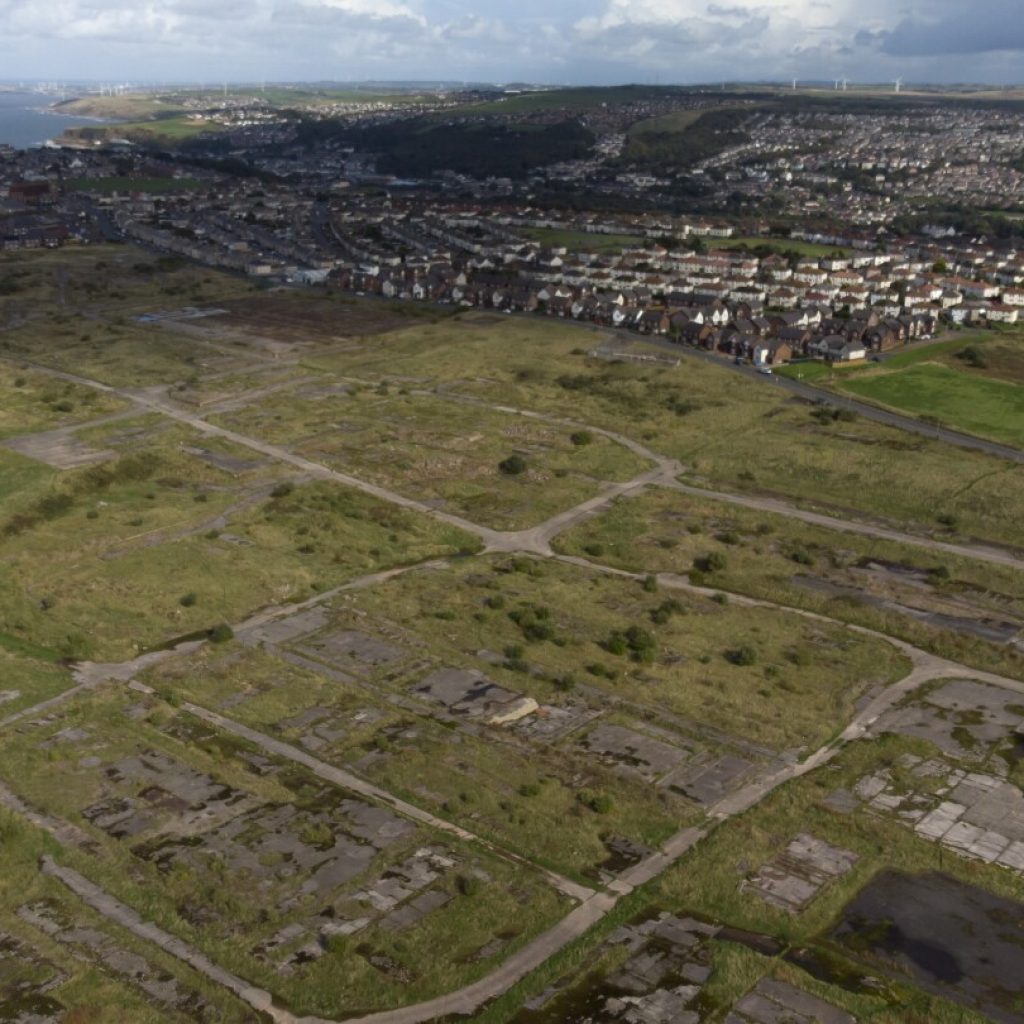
(543, 41)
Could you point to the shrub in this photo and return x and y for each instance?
(714, 562)
(973, 357)
(282, 490)
(581, 437)
(221, 634)
(187, 600)
(743, 655)
(513, 465)
(468, 885)
(599, 803)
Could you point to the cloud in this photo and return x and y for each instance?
(977, 28)
(502, 40)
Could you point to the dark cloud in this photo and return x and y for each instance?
(973, 28)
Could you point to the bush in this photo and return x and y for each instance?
(635, 641)
(973, 357)
(468, 885)
(221, 634)
(744, 655)
(282, 490)
(513, 465)
(715, 562)
(581, 437)
(187, 600)
(665, 611)
(599, 803)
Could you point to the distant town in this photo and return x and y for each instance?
(764, 227)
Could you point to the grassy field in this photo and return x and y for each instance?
(728, 432)
(139, 534)
(207, 898)
(798, 682)
(524, 796)
(811, 249)
(582, 241)
(69, 980)
(974, 404)
(445, 452)
(31, 401)
(162, 129)
(767, 556)
(155, 186)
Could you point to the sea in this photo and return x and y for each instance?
(25, 121)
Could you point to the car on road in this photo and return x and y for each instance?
(765, 370)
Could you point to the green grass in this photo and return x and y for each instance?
(449, 452)
(814, 372)
(730, 433)
(801, 686)
(765, 553)
(119, 184)
(974, 404)
(582, 241)
(524, 797)
(787, 245)
(80, 983)
(169, 524)
(32, 401)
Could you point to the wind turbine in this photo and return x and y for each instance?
(846, 84)
(899, 85)
(794, 85)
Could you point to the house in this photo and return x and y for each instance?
(772, 352)
(835, 348)
(1000, 312)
